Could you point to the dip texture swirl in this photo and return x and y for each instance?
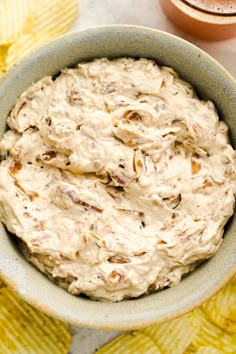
(116, 177)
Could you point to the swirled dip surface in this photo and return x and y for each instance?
(116, 177)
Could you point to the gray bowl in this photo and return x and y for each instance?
(213, 82)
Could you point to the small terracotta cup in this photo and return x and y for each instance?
(209, 20)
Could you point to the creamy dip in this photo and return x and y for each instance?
(117, 177)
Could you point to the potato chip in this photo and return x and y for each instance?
(233, 280)
(3, 52)
(15, 19)
(134, 343)
(221, 309)
(23, 45)
(176, 335)
(191, 349)
(53, 17)
(2, 284)
(208, 350)
(211, 335)
(25, 330)
(2, 69)
(50, 20)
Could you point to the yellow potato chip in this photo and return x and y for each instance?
(23, 45)
(221, 309)
(53, 17)
(233, 280)
(134, 343)
(211, 335)
(2, 284)
(3, 52)
(25, 330)
(176, 335)
(50, 20)
(2, 69)
(191, 349)
(208, 350)
(15, 19)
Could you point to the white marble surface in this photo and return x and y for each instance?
(145, 13)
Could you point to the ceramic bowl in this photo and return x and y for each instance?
(212, 82)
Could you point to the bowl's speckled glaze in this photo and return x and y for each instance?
(211, 81)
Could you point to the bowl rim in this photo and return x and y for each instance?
(93, 29)
(109, 320)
